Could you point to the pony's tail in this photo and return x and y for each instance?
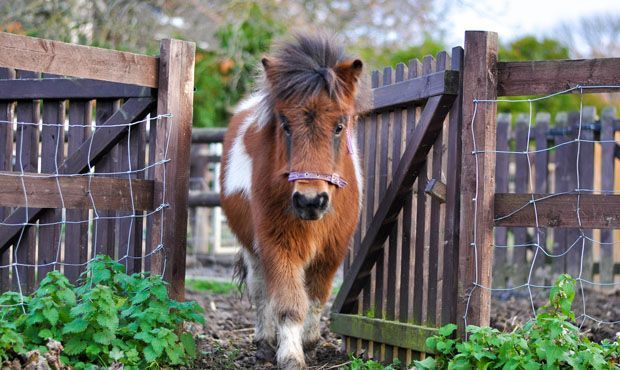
(240, 272)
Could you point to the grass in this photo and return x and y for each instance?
(216, 287)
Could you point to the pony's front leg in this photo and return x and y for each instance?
(319, 276)
(285, 280)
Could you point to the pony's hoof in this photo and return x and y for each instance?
(310, 345)
(292, 364)
(265, 352)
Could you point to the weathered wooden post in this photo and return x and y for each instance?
(175, 97)
(479, 82)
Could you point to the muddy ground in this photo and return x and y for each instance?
(226, 340)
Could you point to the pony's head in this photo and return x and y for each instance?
(312, 89)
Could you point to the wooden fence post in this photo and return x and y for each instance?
(175, 95)
(479, 82)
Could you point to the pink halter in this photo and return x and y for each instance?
(333, 178)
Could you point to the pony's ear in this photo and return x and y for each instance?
(349, 71)
(269, 65)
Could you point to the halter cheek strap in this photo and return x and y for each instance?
(333, 179)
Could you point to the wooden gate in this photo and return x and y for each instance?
(81, 127)
(392, 297)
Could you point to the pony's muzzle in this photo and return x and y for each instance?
(310, 207)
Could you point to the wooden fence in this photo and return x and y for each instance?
(555, 171)
(80, 103)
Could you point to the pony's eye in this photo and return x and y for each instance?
(285, 126)
(339, 128)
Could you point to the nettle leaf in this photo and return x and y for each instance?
(75, 326)
(74, 346)
(145, 337)
(45, 334)
(51, 314)
(447, 330)
(149, 354)
(116, 354)
(93, 350)
(174, 353)
(103, 337)
(109, 322)
(428, 363)
(189, 343)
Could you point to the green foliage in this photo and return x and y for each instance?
(216, 287)
(11, 342)
(550, 341)
(376, 58)
(361, 364)
(109, 317)
(223, 76)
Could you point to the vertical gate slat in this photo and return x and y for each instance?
(500, 256)
(6, 155)
(421, 224)
(380, 270)
(607, 185)
(573, 257)
(76, 235)
(105, 228)
(522, 171)
(130, 154)
(370, 159)
(453, 181)
(541, 184)
(52, 149)
(27, 151)
(351, 343)
(586, 181)
(435, 218)
(137, 144)
(561, 185)
(395, 245)
(150, 245)
(406, 237)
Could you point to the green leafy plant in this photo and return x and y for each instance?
(110, 317)
(357, 363)
(550, 341)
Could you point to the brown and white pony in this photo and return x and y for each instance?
(291, 188)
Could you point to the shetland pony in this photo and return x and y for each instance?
(291, 188)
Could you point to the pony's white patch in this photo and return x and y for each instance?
(312, 327)
(249, 102)
(290, 346)
(238, 176)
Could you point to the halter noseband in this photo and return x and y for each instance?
(333, 178)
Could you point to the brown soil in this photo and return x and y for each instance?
(509, 311)
(226, 341)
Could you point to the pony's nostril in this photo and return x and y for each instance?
(298, 200)
(323, 199)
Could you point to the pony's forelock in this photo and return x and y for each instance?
(302, 67)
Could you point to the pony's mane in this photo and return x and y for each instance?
(302, 68)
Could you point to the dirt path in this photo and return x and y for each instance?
(226, 341)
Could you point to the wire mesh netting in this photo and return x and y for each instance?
(579, 242)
